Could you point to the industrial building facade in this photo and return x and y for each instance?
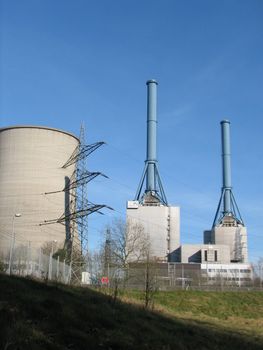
(162, 225)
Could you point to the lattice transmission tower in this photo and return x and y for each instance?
(82, 196)
(78, 207)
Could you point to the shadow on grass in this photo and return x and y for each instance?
(37, 316)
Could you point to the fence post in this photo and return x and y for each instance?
(69, 272)
(50, 266)
(57, 267)
(260, 270)
(27, 258)
(39, 262)
(183, 282)
(64, 271)
(11, 253)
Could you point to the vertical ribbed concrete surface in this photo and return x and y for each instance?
(31, 160)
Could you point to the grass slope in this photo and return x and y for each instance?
(240, 312)
(38, 316)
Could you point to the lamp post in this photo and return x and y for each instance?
(17, 215)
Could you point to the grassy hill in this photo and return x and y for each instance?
(39, 316)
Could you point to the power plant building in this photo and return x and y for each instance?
(31, 165)
(36, 170)
(224, 250)
(224, 247)
(161, 225)
(228, 227)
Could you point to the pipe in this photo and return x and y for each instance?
(226, 165)
(151, 158)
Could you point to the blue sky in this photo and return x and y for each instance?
(65, 61)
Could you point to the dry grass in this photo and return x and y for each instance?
(35, 316)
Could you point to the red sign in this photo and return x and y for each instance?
(104, 280)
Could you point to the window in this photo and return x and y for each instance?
(205, 255)
(215, 255)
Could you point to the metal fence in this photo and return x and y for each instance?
(19, 258)
(174, 276)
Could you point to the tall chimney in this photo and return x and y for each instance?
(226, 165)
(151, 158)
(154, 191)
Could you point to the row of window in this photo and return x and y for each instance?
(230, 279)
(231, 270)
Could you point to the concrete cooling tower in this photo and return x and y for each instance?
(31, 164)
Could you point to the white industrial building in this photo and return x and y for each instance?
(199, 253)
(232, 234)
(227, 274)
(161, 225)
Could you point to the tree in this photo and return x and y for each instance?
(151, 281)
(128, 242)
(125, 243)
(258, 273)
(127, 258)
(96, 266)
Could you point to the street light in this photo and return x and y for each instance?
(17, 215)
(54, 241)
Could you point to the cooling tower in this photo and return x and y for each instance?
(31, 161)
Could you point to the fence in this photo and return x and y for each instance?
(173, 276)
(20, 258)
(258, 275)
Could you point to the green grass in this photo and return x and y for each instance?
(235, 311)
(38, 316)
(215, 304)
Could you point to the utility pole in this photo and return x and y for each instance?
(107, 254)
(13, 242)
